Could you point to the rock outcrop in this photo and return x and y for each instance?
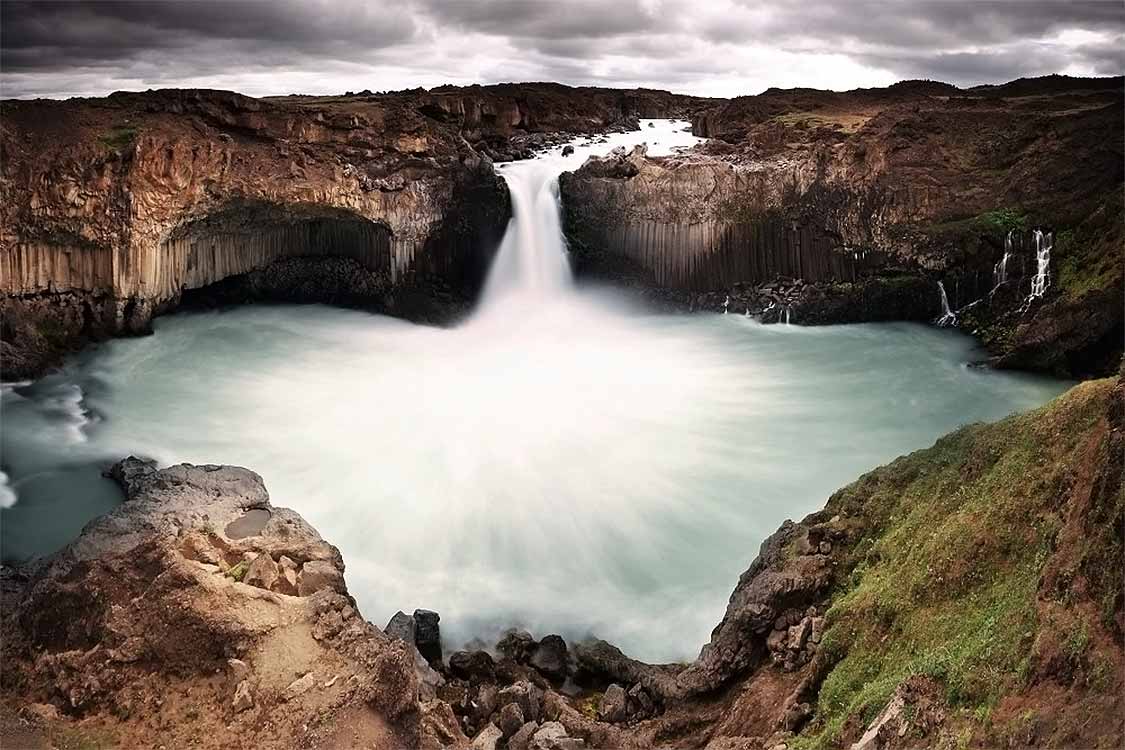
(114, 209)
(926, 181)
(173, 611)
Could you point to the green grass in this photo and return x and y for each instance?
(1087, 261)
(996, 223)
(944, 582)
(119, 138)
(238, 571)
(1002, 220)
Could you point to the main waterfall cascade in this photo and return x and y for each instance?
(532, 264)
(559, 462)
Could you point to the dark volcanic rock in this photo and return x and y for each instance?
(516, 645)
(550, 657)
(859, 192)
(427, 634)
(475, 666)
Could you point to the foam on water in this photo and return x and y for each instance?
(583, 469)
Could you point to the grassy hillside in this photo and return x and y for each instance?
(989, 568)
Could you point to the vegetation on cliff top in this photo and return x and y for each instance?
(986, 565)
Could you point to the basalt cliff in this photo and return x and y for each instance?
(966, 595)
(115, 209)
(841, 207)
(810, 206)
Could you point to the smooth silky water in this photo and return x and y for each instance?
(560, 461)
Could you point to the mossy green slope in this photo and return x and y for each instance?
(986, 563)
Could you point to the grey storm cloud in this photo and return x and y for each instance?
(725, 47)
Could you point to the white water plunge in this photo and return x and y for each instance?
(559, 462)
(1000, 271)
(948, 317)
(1044, 243)
(531, 266)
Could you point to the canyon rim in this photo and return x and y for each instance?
(753, 379)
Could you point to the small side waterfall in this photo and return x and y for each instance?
(948, 317)
(1000, 272)
(1044, 243)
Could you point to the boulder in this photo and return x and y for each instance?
(263, 572)
(614, 705)
(552, 736)
(487, 738)
(816, 632)
(511, 719)
(287, 582)
(482, 703)
(641, 704)
(567, 150)
(317, 575)
(427, 634)
(239, 670)
(521, 740)
(528, 696)
(550, 658)
(401, 627)
(474, 666)
(516, 645)
(799, 634)
(298, 687)
(243, 698)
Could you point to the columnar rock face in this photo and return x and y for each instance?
(698, 223)
(920, 178)
(113, 208)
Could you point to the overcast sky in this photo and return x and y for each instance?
(710, 47)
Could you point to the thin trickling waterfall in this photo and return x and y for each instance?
(948, 317)
(1000, 272)
(1044, 243)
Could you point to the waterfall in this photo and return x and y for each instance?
(531, 265)
(726, 305)
(1044, 243)
(1000, 272)
(948, 317)
(532, 257)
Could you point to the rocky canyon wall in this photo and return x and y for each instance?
(113, 208)
(920, 182)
